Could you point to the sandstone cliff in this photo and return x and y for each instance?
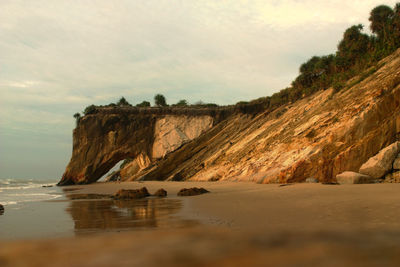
(318, 136)
(110, 135)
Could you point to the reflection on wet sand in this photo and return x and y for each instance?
(99, 215)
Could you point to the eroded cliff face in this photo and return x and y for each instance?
(318, 136)
(103, 139)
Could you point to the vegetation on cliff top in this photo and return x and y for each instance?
(356, 53)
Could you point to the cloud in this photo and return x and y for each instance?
(58, 57)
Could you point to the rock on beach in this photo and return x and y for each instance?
(354, 178)
(381, 163)
(131, 193)
(192, 191)
(160, 193)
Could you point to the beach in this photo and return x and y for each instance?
(234, 224)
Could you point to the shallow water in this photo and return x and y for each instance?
(33, 211)
(104, 215)
(17, 191)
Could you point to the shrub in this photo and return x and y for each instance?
(143, 104)
(160, 101)
(182, 103)
(89, 110)
(77, 117)
(122, 102)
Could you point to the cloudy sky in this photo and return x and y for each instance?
(59, 56)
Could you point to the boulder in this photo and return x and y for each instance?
(131, 193)
(392, 177)
(396, 163)
(311, 180)
(192, 191)
(160, 193)
(381, 163)
(1, 209)
(354, 178)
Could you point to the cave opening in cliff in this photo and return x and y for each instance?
(113, 173)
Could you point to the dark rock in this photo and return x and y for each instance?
(1, 209)
(131, 193)
(160, 193)
(47, 185)
(281, 185)
(192, 191)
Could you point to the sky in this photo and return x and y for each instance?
(59, 56)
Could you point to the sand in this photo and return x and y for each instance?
(241, 224)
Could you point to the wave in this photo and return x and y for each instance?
(25, 186)
(25, 183)
(15, 191)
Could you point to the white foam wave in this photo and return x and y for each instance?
(28, 198)
(29, 186)
(6, 203)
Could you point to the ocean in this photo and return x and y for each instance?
(18, 191)
(37, 208)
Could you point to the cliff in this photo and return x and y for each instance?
(109, 135)
(318, 136)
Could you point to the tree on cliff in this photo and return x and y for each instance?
(143, 104)
(182, 103)
(160, 101)
(77, 117)
(89, 110)
(123, 102)
(352, 47)
(381, 18)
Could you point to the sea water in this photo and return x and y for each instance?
(37, 208)
(16, 191)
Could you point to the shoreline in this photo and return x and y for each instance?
(240, 223)
(270, 207)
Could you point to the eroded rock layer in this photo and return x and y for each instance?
(108, 136)
(316, 137)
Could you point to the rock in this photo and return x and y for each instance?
(388, 178)
(192, 191)
(381, 163)
(396, 163)
(113, 177)
(47, 186)
(131, 193)
(392, 177)
(103, 136)
(1, 209)
(160, 193)
(311, 180)
(354, 178)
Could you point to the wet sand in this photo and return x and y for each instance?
(241, 224)
(298, 207)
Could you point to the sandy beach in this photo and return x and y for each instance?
(240, 223)
(270, 207)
